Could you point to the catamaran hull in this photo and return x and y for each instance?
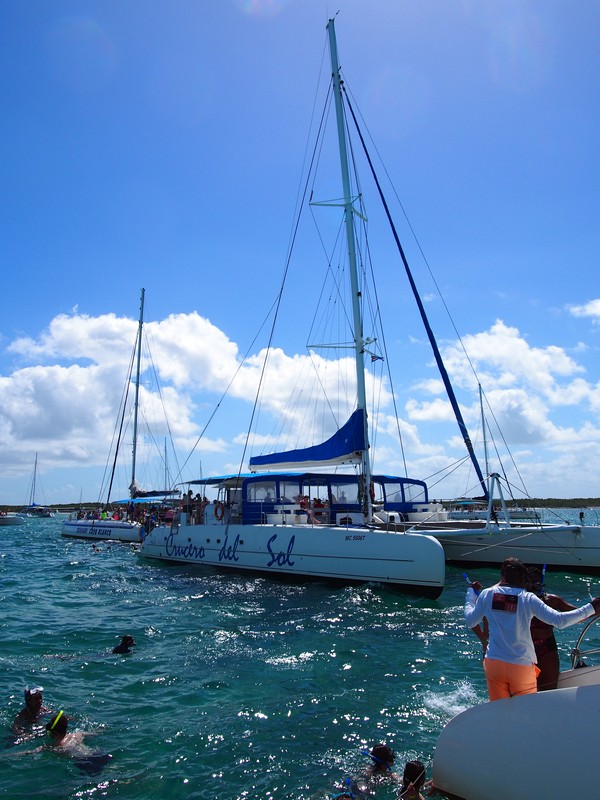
(102, 529)
(535, 745)
(561, 546)
(409, 563)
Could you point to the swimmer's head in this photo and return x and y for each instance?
(33, 697)
(383, 756)
(57, 727)
(128, 641)
(414, 772)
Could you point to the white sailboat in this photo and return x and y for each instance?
(534, 745)
(34, 509)
(119, 523)
(304, 523)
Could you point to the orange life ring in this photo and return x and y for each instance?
(219, 511)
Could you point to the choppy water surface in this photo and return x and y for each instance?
(238, 687)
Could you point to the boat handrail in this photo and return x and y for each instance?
(577, 653)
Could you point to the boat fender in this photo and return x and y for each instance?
(219, 511)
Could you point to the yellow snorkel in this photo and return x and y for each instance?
(50, 727)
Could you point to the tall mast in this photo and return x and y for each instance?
(33, 481)
(359, 343)
(137, 393)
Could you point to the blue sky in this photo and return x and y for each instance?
(160, 144)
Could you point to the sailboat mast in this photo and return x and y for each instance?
(136, 401)
(33, 482)
(349, 219)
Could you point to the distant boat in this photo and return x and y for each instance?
(33, 509)
(8, 518)
(305, 523)
(533, 745)
(122, 521)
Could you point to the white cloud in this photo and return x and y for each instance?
(437, 410)
(502, 357)
(590, 309)
(66, 404)
(63, 396)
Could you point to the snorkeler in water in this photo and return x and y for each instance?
(382, 758)
(25, 720)
(71, 744)
(124, 645)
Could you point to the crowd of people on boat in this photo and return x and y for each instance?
(194, 506)
(142, 513)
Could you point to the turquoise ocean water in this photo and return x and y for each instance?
(239, 687)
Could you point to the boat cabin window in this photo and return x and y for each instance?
(262, 491)
(401, 492)
(317, 494)
(288, 491)
(393, 492)
(344, 493)
(234, 495)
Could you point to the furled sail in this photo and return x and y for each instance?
(135, 491)
(344, 447)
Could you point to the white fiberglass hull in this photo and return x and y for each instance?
(564, 546)
(117, 530)
(409, 562)
(535, 745)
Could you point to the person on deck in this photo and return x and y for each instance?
(546, 648)
(509, 662)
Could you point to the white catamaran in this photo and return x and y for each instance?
(304, 523)
(300, 522)
(496, 536)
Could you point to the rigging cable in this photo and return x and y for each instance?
(436, 352)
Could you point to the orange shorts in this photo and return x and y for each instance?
(508, 680)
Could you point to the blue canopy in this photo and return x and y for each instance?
(343, 447)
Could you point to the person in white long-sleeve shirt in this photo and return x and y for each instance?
(510, 660)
